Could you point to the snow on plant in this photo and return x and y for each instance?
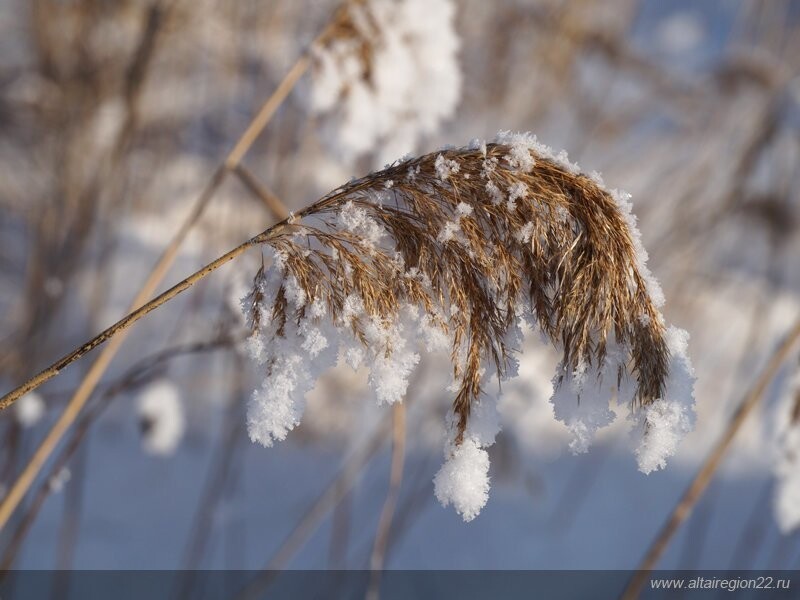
(460, 250)
(161, 417)
(787, 468)
(385, 75)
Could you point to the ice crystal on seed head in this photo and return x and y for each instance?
(445, 167)
(525, 234)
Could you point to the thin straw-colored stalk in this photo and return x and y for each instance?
(264, 116)
(168, 257)
(260, 191)
(378, 557)
(701, 481)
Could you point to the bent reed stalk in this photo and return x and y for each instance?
(124, 323)
(561, 241)
(480, 240)
(231, 164)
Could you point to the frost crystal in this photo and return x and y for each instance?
(590, 412)
(445, 167)
(525, 234)
(516, 191)
(463, 209)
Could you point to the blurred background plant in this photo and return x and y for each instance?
(114, 115)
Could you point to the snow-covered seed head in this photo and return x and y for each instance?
(385, 74)
(559, 250)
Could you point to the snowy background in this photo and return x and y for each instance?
(693, 108)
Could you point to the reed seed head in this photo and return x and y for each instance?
(453, 250)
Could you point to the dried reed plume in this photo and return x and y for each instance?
(461, 243)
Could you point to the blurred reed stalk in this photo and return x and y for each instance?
(223, 469)
(378, 557)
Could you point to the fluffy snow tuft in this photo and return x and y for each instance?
(294, 364)
(391, 361)
(669, 419)
(583, 409)
(463, 480)
(667, 423)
